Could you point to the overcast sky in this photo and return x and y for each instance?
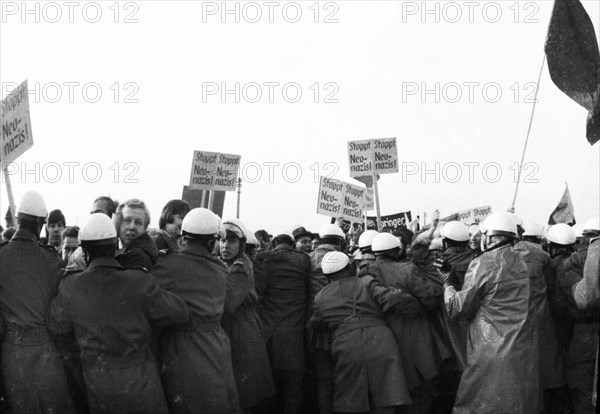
(135, 87)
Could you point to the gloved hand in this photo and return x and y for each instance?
(444, 267)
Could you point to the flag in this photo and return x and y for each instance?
(564, 212)
(574, 59)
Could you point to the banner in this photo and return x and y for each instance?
(564, 211)
(16, 125)
(390, 223)
(214, 171)
(340, 199)
(372, 156)
(574, 59)
(470, 216)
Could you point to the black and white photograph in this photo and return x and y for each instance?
(299, 207)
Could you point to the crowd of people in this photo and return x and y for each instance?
(203, 315)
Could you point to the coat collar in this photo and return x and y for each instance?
(24, 235)
(104, 262)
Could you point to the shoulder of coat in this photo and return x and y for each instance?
(48, 247)
(3, 244)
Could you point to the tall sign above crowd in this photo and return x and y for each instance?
(372, 157)
(16, 132)
(214, 171)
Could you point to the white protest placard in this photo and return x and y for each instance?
(470, 216)
(340, 199)
(373, 156)
(360, 158)
(385, 156)
(16, 125)
(214, 171)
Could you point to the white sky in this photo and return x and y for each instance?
(374, 56)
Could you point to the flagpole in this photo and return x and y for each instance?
(537, 88)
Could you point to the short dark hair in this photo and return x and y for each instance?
(70, 231)
(170, 210)
(111, 205)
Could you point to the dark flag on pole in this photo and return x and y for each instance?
(574, 59)
(564, 212)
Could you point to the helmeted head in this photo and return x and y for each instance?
(334, 263)
(386, 244)
(365, 240)
(532, 230)
(233, 244)
(31, 212)
(283, 236)
(98, 237)
(331, 234)
(201, 227)
(498, 228)
(251, 244)
(561, 239)
(455, 232)
(591, 228)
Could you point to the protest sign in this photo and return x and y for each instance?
(373, 156)
(470, 216)
(214, 171)
(340, 199)
(391, 222)
(16, 125)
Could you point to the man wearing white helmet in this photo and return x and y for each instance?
(364, 255)
(281, 278)
(197, 370)
(421, 348)
(455, 239)
(31, 367)
(240, 320)
(331, 238)
(580, 326)
(541, 274)
(503, 372)
(112, 311)
(368, 367)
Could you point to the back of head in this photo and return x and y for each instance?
(201, 224)
(455, 232)
(385, 243)
(105, 205)
(172, 209)
(31, 212)
(98, 236)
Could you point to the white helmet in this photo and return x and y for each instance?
(456, 231)
(236, 227)
(562, 234)
(32, 204)
(251, 238)
(501, 224)
(334, 262)
(532, 229)
(332, 230)
(592, 225)
(366, 239)
(99, 229)
(201, 222)
(384, 242)
(518, 221)
(473, 229)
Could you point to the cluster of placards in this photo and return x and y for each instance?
(340, 199)
(214, 171)
(470, 216)
(373, 156)
(16, 125)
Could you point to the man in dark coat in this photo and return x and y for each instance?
(581, 325)
(331, 239)
(421, 347)
(112, 311)
(31, 366)
(281, 279)
(368, 367)
(503, 372)
(131, 221)
(197, 369)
